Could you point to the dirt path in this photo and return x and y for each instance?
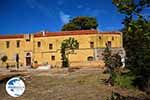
(85, 84)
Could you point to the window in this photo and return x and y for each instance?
(50, 46)
(18, 44)
(112, 38)
(91, 44)
(90, 58)
(17, 57)
(109, 43)
(52, 57)
(100, 37)
(7, 44)
(39, 44)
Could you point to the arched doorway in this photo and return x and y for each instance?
(28, 59)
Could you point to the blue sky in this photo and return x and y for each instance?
(28, 16)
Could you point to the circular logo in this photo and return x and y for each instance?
(15, 87)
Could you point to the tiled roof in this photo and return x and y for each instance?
(11, 36)
(110, 32)
(62, 33)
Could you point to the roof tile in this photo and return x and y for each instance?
(62, 33)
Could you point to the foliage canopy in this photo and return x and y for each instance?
(67, 47)
(81, 23)
(136, 37)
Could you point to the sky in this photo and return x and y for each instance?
(29, 16)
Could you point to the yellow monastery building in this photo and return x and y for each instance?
(44, 47)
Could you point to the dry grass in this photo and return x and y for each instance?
(62, 85)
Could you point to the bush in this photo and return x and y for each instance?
(65, 62)
(124, 81)
(142, 84)
(118, 96)
(4, 58)
(36, 62)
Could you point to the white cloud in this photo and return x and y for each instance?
(80, 6)
(95, 12)
(60, 2)
(31, 3)
(41, 7)
(64, 17)
(87, 9)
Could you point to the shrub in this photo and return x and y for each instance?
(124, 81)
(4, 58)
(36, 62)
(112, 61)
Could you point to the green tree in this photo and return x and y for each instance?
(67, 47)
(107, 57)
(112, 63)
(69, 27)
(136, 37)
(116, 62)
(81, 23)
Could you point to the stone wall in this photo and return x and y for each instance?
(99, 52)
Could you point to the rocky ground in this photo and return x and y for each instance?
(80, 84)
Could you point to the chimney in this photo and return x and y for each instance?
(27, 37)
(43, 32)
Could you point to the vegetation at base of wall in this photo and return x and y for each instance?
(64, 59)
(117, 76)
(67, 47)
(136, 38)
(118, 96)
(36, 62)
(123, 80)
(81, 23)
(112, 61)
(107, 57)
(4, 59)
(113, 64)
